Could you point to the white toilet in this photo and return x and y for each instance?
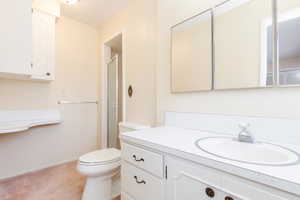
(99, 167)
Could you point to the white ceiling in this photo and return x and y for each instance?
(93, 12)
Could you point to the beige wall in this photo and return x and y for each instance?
(77, 65)
(138, 22)
(279, 102)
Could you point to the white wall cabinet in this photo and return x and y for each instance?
(15, 40)
(43, 45)
(173, 178)
(27, 42)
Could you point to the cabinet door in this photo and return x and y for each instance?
(16, 39)
(187, 180)
(43, 45)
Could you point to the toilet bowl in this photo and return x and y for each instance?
(99, 167)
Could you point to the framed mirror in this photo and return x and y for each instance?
(288, 71)
(191, 54)
(243, 39)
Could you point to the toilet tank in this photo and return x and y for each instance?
(124, 129)
(127, 127)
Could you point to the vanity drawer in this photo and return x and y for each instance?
(149, 161)
(140, 185)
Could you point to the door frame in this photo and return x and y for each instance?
(106, 57)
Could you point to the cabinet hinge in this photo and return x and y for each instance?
(166, 172)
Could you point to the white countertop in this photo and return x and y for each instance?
(181, 143)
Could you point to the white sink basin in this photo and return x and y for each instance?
(251, 153)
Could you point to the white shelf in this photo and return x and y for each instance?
(17, 121)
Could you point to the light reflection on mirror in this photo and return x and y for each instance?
(243, 44)
(289, 47)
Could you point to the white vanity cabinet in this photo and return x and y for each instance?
(148, 174)
(15, 40)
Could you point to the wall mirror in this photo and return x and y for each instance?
(243, 36)
(191, 54)
(289, 42)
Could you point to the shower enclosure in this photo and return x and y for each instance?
(113, 114)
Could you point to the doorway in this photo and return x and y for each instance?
(113, 83)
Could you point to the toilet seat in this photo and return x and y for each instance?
(101, 157)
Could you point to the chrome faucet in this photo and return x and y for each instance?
(245, 135)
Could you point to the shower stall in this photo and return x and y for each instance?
(114, 102)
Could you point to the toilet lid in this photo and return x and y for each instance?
(101, 156)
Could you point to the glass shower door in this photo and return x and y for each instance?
(113, 104)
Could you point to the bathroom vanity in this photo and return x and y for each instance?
(174, 168)
(170, 163)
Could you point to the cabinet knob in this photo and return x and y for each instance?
(210, 192)
(48, 73)
(228, 198)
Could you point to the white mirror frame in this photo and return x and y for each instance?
(171, 55)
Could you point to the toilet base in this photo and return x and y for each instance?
(98, 188)
(100, 168)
